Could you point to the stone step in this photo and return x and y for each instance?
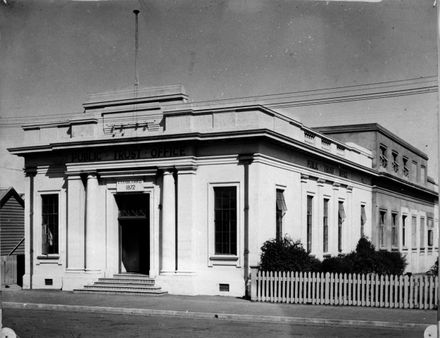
(130, 275)
(111, 291)
(127, 281)
(122, 286)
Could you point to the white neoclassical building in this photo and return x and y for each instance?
(185, 193)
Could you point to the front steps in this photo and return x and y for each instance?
(124, 284)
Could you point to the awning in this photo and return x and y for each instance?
(341, 212)
(281, 203)
(363, 216)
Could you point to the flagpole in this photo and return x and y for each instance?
(136, 49)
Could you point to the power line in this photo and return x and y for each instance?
(11, 122)
(15, 169)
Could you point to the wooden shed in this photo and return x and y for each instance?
(11, 237)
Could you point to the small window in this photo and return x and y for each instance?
(430, 232)
(414, 232)
(404, 230)
(280, 212)
(394, 229)
(309, 222)
(414, 170)
(225, 220)
(422, 232)
(382, 216)
(49, 227)
(363, 220)
(325, 225)
(395, 162)
(383, 156)
(405, 166)
(422, 174)
(223, 287)
(341, 218)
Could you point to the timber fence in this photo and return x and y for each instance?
(372, 290)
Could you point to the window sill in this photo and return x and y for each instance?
(48, 259)
(50, 256)
(231, 260)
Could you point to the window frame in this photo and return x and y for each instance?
(309, 222)
(394, 229)
(363, 208)
(383, 155)
(430, 232)
(43, 253)
(382, 226)
(279, 213)
(414, 232)
(422, 229)
(405, 166)
(395, 164)
(423, 173)
(414, 171)
(213, 257)
(340, 223)
(325, 224)
(404, 229)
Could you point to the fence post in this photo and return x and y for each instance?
(425, 291)
(254, 291)
(402, 292)
(430, 292)
(386, 285)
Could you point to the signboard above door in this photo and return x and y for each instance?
(129, 186)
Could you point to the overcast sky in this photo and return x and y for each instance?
(53, 53)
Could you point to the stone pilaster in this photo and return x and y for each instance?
(168, 222)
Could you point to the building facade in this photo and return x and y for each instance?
(186, 193)
(404, 197)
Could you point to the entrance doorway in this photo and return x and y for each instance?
(134, 232)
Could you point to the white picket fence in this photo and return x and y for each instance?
(404, 292)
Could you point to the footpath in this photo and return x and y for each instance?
(217, 307)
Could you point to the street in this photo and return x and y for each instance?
(40, 323)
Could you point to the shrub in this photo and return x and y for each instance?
(338, 264)
(366, 260)
(434, 269)
(286, 255)
(390, 263)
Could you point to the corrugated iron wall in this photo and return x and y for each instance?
(11, 227)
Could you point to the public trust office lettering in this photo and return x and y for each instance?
(132, 154)
(326, 168)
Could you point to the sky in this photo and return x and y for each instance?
(55, 53)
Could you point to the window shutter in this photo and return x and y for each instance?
(363, 216)
(341, 212)
(281, 203)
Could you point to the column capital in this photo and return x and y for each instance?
(304, 178)
(321, 182)
(246, 158)
(336, 186)
(167, 171)
(349, 188)
(73, 176)
(186, 169)
(30, 171)
(91, 174)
